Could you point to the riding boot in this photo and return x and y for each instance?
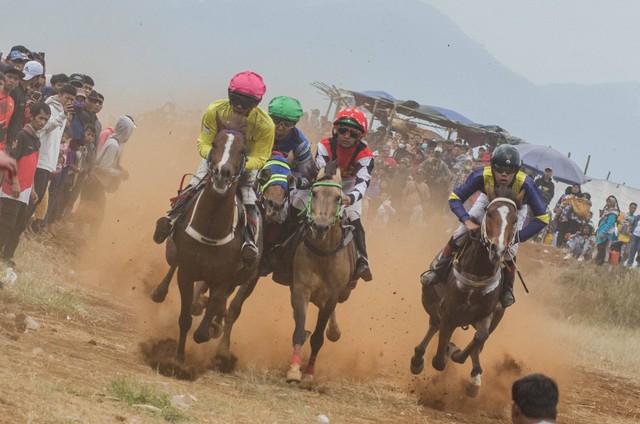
(249, 248)
(508, 277)
(164, 224)
(439, 267)
(362, 263)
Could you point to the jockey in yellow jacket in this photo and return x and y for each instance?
(246, 90)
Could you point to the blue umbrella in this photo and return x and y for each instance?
(540, 157)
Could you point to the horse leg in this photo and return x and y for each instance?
(186, 294)
(299, 302)
(473, 386)
(417, 361)
(480, 336)
(198, 304)
(159, 293)
(224, 359)
(202, 334)
(333, 330)
(317, 338)
(440, 359)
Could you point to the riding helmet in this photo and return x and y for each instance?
(506, 155)
(286, 108)
(353, 117)
(248, 83)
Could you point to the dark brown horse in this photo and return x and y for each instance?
(470, 296)
(206, 247)
(323, 265)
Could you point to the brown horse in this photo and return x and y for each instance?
(206, 247)
(323, 265)
(470, 295)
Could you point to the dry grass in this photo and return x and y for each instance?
(134, 393)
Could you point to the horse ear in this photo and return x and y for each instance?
(291, 181)
(320, 175)
(338, 175)
(263, 175)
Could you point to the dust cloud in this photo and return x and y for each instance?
(381, 323)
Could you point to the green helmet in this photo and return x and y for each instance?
(286, 108)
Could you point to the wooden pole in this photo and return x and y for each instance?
(587, 165)
(391, 115)
(608, 175)
(373, 114)
(569, 154)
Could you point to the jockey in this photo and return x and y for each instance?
(505, 172)
(356, 164)
(285, 113)
(245, 93)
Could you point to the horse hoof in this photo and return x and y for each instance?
(201, 336)
(307, 379)
(417, 365)
(225, 364)
(196, 309)
(438, 364)
(180, 357)
(215, 330)
(294, 375)
(333, 334)
(472, 390)
(158, 296)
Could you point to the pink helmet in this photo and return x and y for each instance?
(248, 83)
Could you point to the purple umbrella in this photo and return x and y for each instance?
(540, 157)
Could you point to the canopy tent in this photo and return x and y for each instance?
(379, 102)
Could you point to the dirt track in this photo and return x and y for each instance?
(380, 325)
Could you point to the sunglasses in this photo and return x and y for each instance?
(245, 102)
(353, 133)
(285, 124)
(505, 169)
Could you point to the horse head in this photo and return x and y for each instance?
(275, 180)
(227, 158)
(323, 207)
(499, 226)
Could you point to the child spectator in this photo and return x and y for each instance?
(581, 244)
(385, 210)
(17, 191)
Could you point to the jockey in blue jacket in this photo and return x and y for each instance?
(285, 113)
(504, 171)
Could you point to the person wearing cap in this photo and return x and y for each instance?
(77, 80)
(16, 58)
(437, 176)
(503, 172)
(29, 84)
(245, 92)
(545, 186)
(285, 113)
(356, 163)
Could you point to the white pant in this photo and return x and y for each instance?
(478, 210)
(247, 181)
(301, 197)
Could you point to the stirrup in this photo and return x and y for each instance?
(507, 298)
(362, 269)
(249, 255)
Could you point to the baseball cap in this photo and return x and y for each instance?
(10, 69)
(32, 69)
(77, 80)
(95, 95)
(17, 55)
(81, 93)
(438, 149)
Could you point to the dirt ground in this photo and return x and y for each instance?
(60, 373)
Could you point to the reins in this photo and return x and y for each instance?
(309, 218)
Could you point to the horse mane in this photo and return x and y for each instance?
(509, 193)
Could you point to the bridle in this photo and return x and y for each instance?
(484, 238)
(307, 209)
(214, 172)
(276, 178)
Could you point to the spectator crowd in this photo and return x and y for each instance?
(66, 161)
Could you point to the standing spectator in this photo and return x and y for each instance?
(107, 173)
(27, 85)
(6, 103)
(607, 231)
(415, 196)
(61, 107)
(634, 244)
(567, 221)
(17, 190)
(545, 186)
(437, 176)
(535, 400)
(624, 229)
(57, 82)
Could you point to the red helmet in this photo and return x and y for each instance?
(354, 117)
(248, 83)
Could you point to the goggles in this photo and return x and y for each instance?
(353, 133)
(245, 102)
(283, 122)
(499, 169)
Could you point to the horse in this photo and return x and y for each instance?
(206, 246)
(323, 265)
(470, 295)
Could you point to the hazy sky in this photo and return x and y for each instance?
(555, 41)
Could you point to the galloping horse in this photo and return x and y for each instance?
(323, 266)
(470, 295)
(206, 245)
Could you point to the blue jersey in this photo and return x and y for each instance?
(296, 142)
(481, 179)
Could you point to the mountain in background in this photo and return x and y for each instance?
(148, 52)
